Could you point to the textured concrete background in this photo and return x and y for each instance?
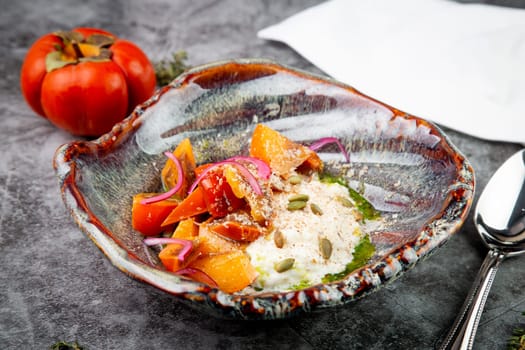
(56, 285)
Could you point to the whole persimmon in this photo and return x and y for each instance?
(86, 80)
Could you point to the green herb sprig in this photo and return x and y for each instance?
(62, 345)
(167, 70)
(517, 340)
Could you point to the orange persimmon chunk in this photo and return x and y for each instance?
(237, 231)
(211, 243)
(279, 152)
(260, 206)
(148, 218)
(186, 229)
(231, 271)
(184, 153)
(169, 257)
(192, 205)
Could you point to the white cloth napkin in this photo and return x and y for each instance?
(459, 65)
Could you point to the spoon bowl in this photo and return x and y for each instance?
(500, 212)
(500, 220)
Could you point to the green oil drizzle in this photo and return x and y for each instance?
(361, 204)
(362, 253)
(301, 285)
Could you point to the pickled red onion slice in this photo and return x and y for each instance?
(187, 245)
(198, 274)
(173, 190)
(263, 170)
(326, 140)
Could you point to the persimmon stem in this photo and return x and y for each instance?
(76, 47)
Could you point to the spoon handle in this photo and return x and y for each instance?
(461, 336)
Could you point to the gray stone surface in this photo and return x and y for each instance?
(56, 285)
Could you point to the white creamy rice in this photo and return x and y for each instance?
(302, 231)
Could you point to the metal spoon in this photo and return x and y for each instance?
(500, 220)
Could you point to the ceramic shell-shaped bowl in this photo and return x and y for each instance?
(406, 167)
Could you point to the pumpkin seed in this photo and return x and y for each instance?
(345, 202)
(296, 205)
(358, 215)
(284, 265)
(325, 246)
(316, 209)
(294, 179)
(278, 239)
(299, 197)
